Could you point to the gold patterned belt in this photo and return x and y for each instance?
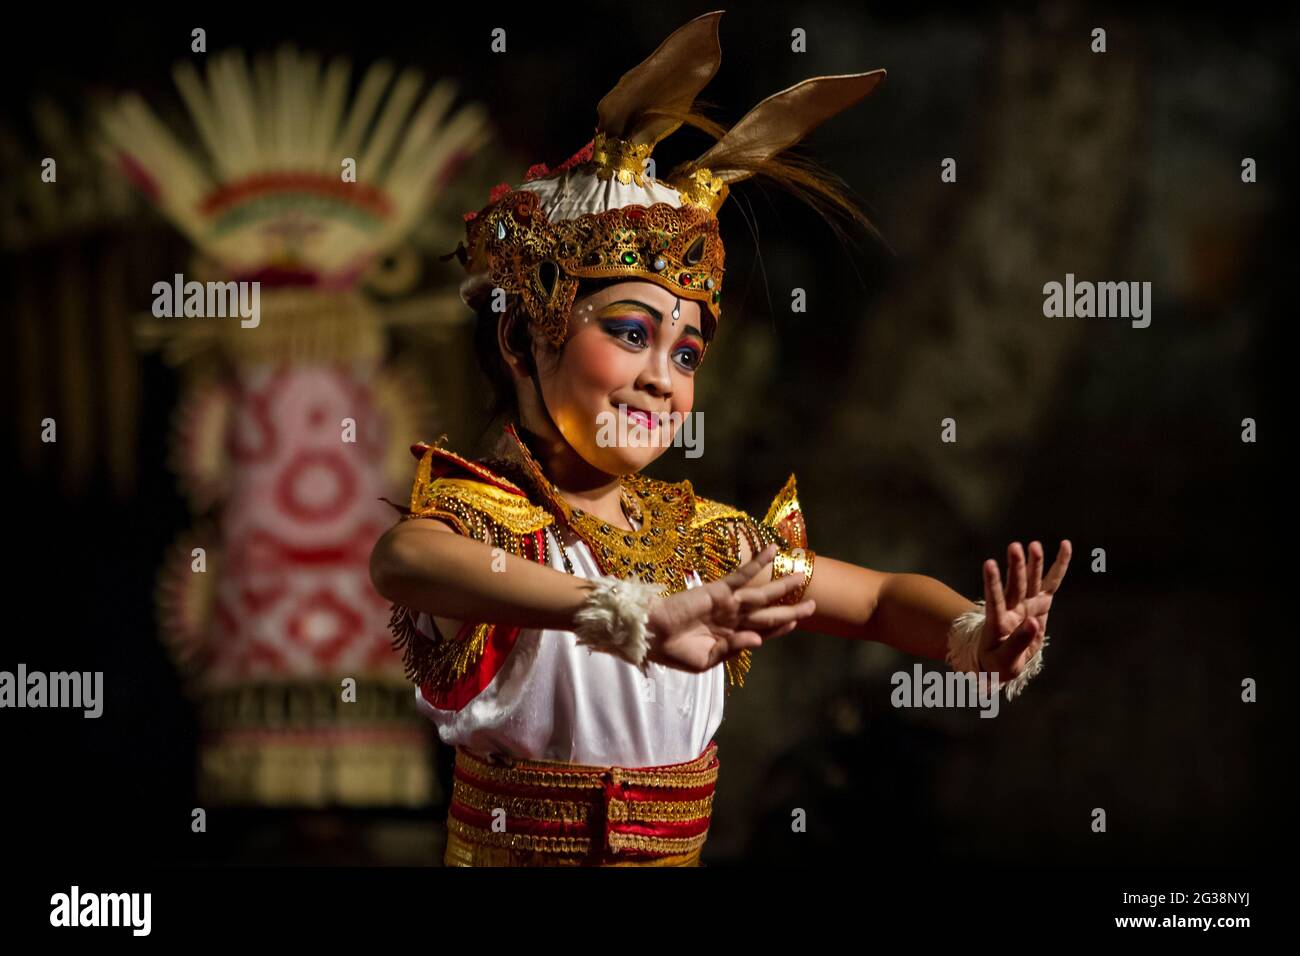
(543, 813)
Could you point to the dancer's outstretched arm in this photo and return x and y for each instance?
(426, 566)
(913, 612)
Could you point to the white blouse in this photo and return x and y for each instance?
(554, 700)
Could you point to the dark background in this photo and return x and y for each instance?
(1123, 166)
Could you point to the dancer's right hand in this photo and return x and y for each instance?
(698, 628)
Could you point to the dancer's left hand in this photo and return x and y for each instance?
(1015, 622)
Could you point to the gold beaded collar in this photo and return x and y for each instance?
(660, 550)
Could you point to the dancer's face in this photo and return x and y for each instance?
(625, 378)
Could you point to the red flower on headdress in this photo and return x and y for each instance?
(581, 156)
(540, 170)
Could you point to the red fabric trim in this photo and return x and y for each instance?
(657, 793)
(496, 648)
(678, 828)
(447, 463)
(495, 651)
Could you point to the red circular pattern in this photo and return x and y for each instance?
(290, 493)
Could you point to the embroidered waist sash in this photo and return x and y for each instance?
(545, 813)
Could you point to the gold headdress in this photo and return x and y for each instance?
(602, 214)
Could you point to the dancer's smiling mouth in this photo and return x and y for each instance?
(641, 416)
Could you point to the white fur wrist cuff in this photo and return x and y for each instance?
(963, 649)
(613, 618)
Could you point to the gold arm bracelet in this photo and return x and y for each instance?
(795, 561)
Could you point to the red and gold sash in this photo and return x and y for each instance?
(545, 813)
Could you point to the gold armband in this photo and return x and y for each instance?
(794, 561)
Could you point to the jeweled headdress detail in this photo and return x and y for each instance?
(601, 214)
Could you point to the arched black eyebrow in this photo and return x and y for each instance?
(658, 316)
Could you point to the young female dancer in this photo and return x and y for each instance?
(570, 623)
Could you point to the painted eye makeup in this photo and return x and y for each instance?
(690, 357)
(629, 330)
(632, 326)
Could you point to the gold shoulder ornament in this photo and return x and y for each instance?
(719, 530)
(479, 504)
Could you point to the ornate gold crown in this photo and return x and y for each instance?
(599, 215)
(541, 262)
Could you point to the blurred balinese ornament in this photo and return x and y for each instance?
(293, 429)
